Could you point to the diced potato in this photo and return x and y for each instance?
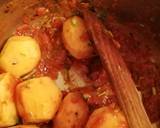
(25, 126)
(107, 117)
(37, 99)
(73, 112)
(20, 55)
(8, 114)
(76, 39)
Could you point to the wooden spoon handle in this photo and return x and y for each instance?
(120, 76)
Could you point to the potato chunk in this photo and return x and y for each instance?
(8, 114)
(19, 55)
(76, 39)
(107, 117)
(73, 112)
(37, 99)
(25, 126)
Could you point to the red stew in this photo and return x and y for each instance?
(132, 46)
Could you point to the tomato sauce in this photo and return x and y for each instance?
(53, 55)
(99, 91)
(132, 45)
(134, 39)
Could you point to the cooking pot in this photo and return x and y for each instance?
(142, 11)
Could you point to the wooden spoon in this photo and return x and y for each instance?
(120, 76)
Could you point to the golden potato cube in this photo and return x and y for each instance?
(37, 99)
(20, 55)
(73, 112)
(25, 126)
(8, 114)
(76, 39)
(107, 117)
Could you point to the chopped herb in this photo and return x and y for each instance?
(90, 43)
(27, 86)
(91, 8)
(154, 91)
(102, 14)
(4, 102)
(81, 1)
(14, 63)
(142, 25)
(73, 22)
(17, 119)
(86, 96)
(76, 13)
(22, 54)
